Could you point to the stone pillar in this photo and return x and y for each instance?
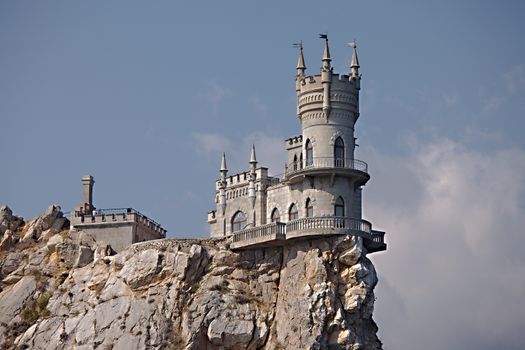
(87, 197)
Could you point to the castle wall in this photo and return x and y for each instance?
(322, 194)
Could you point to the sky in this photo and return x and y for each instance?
(145, 96)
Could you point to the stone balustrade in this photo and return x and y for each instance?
(275, 233)
(326, 163)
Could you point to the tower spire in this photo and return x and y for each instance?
(253, 159)
(251, 184)
(354, 66)
(326, 76)
(326, 53)
(222, 184)
(301, 67)
(223, 163)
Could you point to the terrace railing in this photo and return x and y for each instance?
(329, 222)
(276, 228)
(326, 163)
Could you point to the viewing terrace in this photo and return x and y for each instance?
(322, 165)
(278, 233)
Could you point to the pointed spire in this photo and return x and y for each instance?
(326, 53)
(301, 67)
(253, 159)
(354, 66)
(223, 163)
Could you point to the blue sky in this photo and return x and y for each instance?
(146, 95)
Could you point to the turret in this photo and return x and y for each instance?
(251, 185)
(326, 76)
(354, 66)
(222, 185)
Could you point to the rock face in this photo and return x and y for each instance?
(68, 293)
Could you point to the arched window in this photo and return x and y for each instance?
(309, 153)
(276, 216)
(238, 221)
(309, 208)
(301, 161)
(339, 153)
(339, 207)
(295, 162)
(292, 213)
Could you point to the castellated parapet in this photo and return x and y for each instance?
(320, 192)
(119, 227)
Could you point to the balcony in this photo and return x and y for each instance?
(265, 235)
(328, 165)
(277, 233)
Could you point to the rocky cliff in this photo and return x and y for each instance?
(63, 290)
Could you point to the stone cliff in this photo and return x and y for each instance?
(62, 290)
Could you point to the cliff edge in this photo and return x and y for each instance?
(61, 289)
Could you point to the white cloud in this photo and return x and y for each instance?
(211, 145)
(453, 275)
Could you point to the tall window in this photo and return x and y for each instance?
(309, 153)
(238, 221)
(339, 153)
(276, 216)
(339, 208)
(292, 213)
(309, 208)
(295, 162)
(301, 161)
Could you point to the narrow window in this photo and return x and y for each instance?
(276, 216)
(339, 208)
(339, 153)
(292, 213)
(301, 160)
(295, 162)
(238, 221)
(309, 153)
(309, 208)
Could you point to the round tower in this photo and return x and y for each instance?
(328, 108)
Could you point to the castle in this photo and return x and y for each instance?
(320, 191)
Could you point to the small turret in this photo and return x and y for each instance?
(354, 66)
(222, 185)
(251, 185)
(326, 76)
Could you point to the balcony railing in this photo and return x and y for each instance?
(329, 222)
(275, 228)
(315, 226)
(326, 163)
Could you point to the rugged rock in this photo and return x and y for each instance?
(70, 292)
(8, 221)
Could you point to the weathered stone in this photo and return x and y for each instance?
(13, 299)
(194, 295)
(84, 256)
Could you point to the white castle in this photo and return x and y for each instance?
(320, 191)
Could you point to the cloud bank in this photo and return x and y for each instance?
(454, 274)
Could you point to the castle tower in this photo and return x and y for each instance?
(328, 108)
